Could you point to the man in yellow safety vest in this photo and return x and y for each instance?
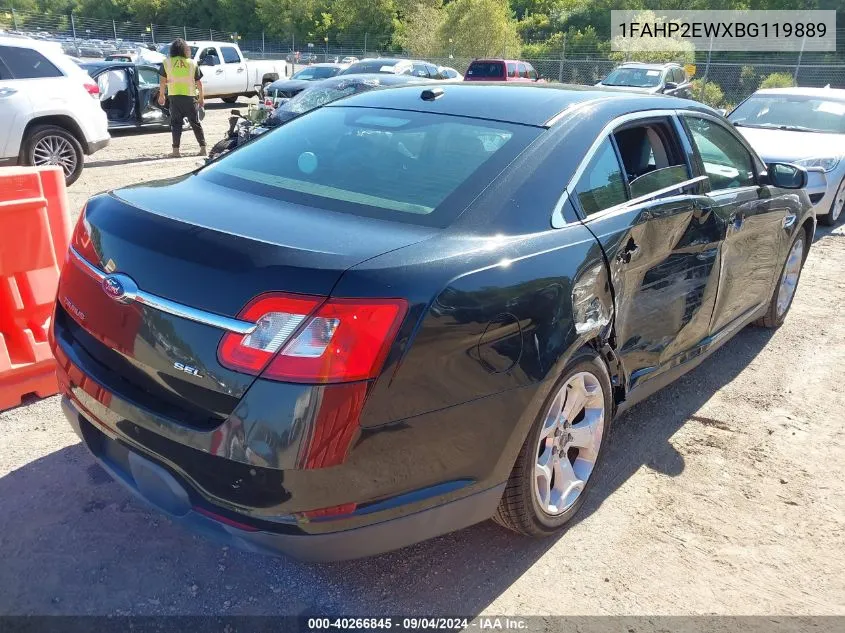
(181, 78)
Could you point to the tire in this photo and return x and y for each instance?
(54, 145)
(832, 216)
(777, 310)
(521, 508)
(230, 99)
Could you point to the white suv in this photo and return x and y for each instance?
(49, 106)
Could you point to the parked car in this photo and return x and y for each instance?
(500, 70)
(349, 59)
(128, 94)
(414, 309)
(669, 79)
(302, 79)
(391, 66)
(449, 73)
(805, 126)
(328, 90)
(226, 74)
(50, 106)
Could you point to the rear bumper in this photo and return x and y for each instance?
(161, 488)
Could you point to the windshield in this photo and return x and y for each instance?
(410, 166)
(633, 77)
(486, 70)
(791, 112)
(316, 72)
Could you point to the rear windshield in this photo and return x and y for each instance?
(316, 72)
(413, 167)
(373, 66)
(486, 69)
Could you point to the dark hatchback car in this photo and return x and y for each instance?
(414, 309)
(303, 79)
(129, 93)
(668, 79)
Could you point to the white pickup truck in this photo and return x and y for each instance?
(226, 74)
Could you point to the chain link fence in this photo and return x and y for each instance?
(721, 79)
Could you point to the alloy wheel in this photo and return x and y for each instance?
(569, 443)
(55, 150)
(789, 279)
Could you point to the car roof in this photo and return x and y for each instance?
(647, 65)
(526, 104)
(114, 64)
(383, 79)
(327, 65)
(829, 93)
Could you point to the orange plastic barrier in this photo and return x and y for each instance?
(34, 235)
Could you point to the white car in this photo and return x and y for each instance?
(227, 74)
(348, 60)
(805, 126)
(49, 107)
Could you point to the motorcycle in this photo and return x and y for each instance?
(243, 128)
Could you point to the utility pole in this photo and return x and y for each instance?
(73, 27)
(114, 29)
(365, 44)
(798, 65)
(562, 57)
(14, 19)
(185, 32)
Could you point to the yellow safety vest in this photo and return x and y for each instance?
(180, 76)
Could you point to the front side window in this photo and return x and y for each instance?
(230, 55)
(523, 71)
(397, 165)
(532, 74)
(27, 63)
(726, 161)
(511, 69)
(602, 185)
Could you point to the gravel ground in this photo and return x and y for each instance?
(723, 494)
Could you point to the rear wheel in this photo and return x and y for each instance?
(787, 284)
(53, 145)
(831, 217)
(230, 99)
(555, 465)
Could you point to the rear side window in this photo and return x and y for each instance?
(602, 185)
(651, 158)
(409, 166)
(26, 63)
(511, 69)
(230, 55)
(486, 70)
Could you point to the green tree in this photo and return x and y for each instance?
(417, 31)
(480, 28)
(778, 80)
(353, 19)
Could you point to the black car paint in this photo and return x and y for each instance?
(147, 112)
(499, 302)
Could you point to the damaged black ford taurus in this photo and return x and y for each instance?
(415, 309)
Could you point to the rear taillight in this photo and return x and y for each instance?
(308, 339)
(93, 90)
(81, 239)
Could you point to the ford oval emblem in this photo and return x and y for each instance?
(119, 287)
(113, 288)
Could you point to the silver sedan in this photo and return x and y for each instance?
(805, 126)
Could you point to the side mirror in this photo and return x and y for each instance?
(670, 85)
(786, 175)
(722, 111)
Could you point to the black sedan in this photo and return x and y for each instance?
(129, 93)
(415, 309)
(300, 80)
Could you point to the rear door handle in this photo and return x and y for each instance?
(240, 69)
(219, 71)
(789, 221)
